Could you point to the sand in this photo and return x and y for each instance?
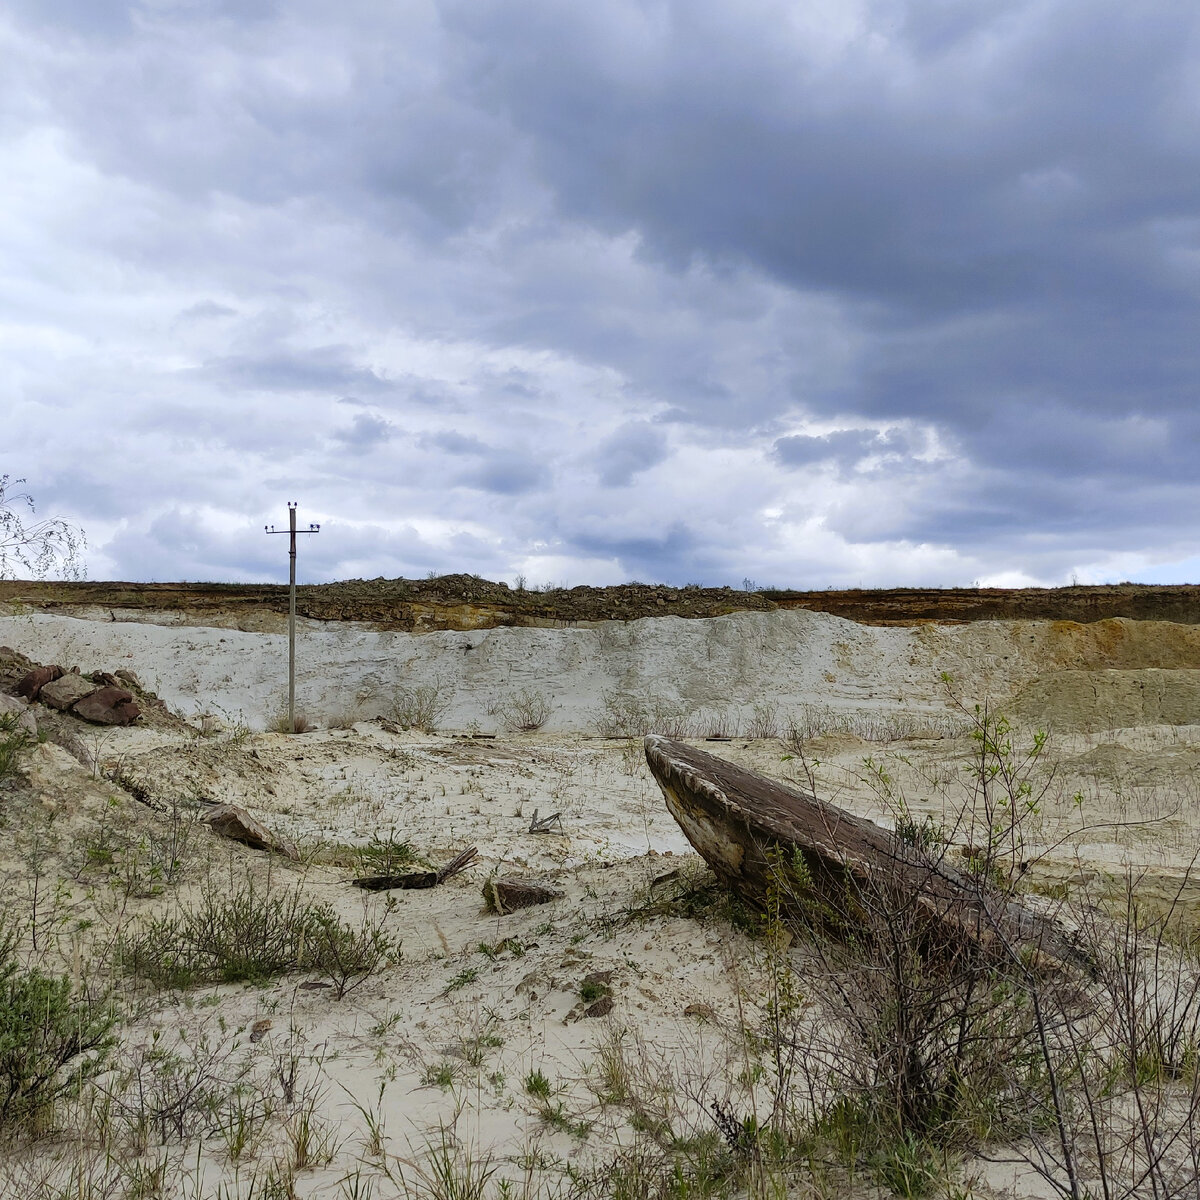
(447, 1038)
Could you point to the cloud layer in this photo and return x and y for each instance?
(834, 293)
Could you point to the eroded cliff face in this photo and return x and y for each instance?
(734, 672)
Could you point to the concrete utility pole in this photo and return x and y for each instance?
(292, 530)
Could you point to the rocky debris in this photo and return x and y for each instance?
(14, 666)
(107, 706)
(419, 879)
(11, 706)
(65, 691)
(238, 825)
(505, 894)
(33, 681)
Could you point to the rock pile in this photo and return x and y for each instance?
(98, 698)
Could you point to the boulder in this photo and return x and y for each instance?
(238, 825)
(65, 691)
(107, 706)
(11, 706)
(33, 681)
(505, 894)
(14, 666)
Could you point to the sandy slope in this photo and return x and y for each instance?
(725, 663)
(447, 1038)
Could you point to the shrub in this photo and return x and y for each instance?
(421, 707)
(13, 740)
(523, 711)
(244, 936)
(280, 723)
(50, 1039)
(385, 855)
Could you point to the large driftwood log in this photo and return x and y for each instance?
(749, 828)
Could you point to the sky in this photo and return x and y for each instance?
(808, 294)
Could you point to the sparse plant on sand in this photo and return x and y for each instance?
(522, 711)
(421, 706)
(241, 933)
(281, 723)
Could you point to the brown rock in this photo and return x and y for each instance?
(33, 682)
(601, 1008)
(238, 825)
(505, 894)
(65, 690)
(14, 666)
(107, 706)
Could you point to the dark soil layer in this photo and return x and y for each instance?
(467, 602)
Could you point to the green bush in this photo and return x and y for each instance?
(13, 740)
(244, 936)
(50, 1039)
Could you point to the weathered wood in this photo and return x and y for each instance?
(419, 879)
(506, 894)
(551, 824)
(747, 828)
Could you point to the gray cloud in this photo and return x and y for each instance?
(635, 447)
(554, 247)
(365, 433)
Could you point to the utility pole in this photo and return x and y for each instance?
(292, 530)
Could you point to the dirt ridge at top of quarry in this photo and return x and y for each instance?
(266, 1030)
(469, 602)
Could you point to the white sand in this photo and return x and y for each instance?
(481, 1022)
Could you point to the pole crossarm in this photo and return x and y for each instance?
(292, 531)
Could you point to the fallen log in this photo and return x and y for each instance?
(506, 894)
(419, 879)
(762, 839)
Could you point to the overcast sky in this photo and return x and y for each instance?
(810, 292)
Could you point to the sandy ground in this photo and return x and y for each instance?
(447, 1038)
